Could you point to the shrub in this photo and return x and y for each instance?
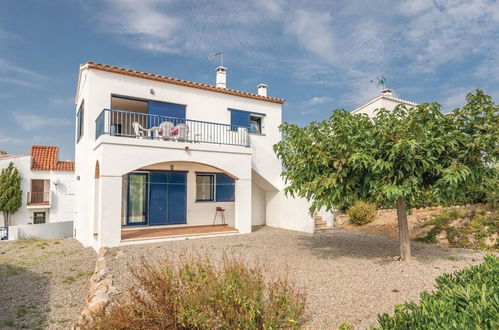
(361, 212)
(466, 299)
(196, 294)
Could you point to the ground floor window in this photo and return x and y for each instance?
(215, 187)
(39, 217)
(205, 187)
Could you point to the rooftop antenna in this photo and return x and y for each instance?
(380, 81)
(219, 53)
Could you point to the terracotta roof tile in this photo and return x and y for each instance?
(46, 158)
(181, 82)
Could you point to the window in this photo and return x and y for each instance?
(251, 120)
(255, 125)
(214, 187)
(39, 217)
(205, 184)
(80, 123)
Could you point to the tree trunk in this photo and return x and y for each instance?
(405, 245)
(6, 218)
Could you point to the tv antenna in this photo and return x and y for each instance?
(380, 81)
(219, 53)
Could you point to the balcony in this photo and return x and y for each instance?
(155, 127)
(39, 199)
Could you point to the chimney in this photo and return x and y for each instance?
(387, 92)
(262, 90)
(221, 80)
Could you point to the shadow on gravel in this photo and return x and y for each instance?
(346, 243)
(24, 297)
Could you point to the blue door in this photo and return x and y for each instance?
(158, 197)
(167, 197)
(177, 197)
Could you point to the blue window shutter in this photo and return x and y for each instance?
(224, 188)
(239, 118)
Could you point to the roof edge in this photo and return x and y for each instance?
(177, 81)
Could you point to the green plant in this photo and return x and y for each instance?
(197, 294)
(10, 192)
(466, 299)
(361, 212)
(405, 157)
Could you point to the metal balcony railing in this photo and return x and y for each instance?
(40, 198)
(156, 127)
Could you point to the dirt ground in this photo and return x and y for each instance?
(43, 283)
(346, 275)
(385, 222)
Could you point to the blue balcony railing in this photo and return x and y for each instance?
(156, 127)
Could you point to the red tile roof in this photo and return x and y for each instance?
(181, 82)
(46, 158)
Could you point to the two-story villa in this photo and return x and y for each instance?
(159, 157)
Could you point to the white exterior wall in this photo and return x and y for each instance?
(62, 194)
(379, 103)
(257, 168)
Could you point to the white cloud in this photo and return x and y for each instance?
(32, 121)
(62, 101)
(6, 139)
(17, 75)
(316, 100)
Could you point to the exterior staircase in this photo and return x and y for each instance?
(321, 225)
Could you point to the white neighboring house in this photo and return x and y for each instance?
(47, 209)
(385, 100)
(155, 153)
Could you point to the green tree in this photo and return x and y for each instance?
(405, 157)
(10, 192)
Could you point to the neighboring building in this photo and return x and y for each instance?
(47, 185)
(159, 152)
(386, 100)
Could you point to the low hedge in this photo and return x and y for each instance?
(466, 299)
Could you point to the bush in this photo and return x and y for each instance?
(466, 299)
(195, 294)
(361, 212)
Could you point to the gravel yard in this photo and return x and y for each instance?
(43, 283)
(348, 276)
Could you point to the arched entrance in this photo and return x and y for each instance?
(177, 194)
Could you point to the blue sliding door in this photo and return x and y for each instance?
(165, 109)
(167, 197)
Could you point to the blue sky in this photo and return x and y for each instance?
(318, 55)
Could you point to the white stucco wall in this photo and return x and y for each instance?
(62, 197)
(380, 102)
(258, 205)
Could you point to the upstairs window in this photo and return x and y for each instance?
(80, 123)
(253, 121)
(255, 124)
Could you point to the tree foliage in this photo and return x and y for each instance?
(418, 154)
(10, 192)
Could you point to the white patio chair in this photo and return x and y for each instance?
(165, 130)
(181, 132)
(140, 132)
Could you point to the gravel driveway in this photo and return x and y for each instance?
(348, 276)
(43, 283)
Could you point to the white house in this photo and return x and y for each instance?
(48, 199)
(155, 153)
(386, 100)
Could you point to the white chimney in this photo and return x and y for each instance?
(221, 80)
(387, 92)
(262, 90)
